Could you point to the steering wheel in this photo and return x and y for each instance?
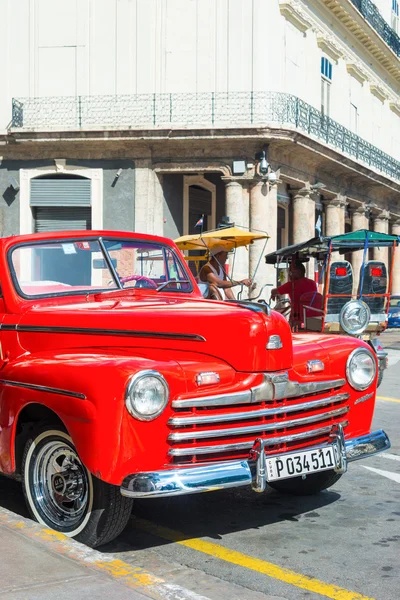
(141, 281)
(282, 306)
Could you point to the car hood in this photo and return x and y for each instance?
(231, 332)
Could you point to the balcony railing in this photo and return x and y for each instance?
(204, 110)
(375, 19)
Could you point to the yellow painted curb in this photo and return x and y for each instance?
(248, 562)
(388, 399)
(119, 570)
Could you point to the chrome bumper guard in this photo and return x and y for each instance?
(224, 475)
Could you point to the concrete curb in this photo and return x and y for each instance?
(137, 578)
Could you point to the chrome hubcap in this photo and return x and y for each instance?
(60, 485)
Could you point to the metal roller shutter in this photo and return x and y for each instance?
(60, 191)
(61, 218)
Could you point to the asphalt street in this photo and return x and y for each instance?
(342, 543)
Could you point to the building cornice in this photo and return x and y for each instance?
(357, 72)
(359, 27)
(395, 107)
(378, 92)
(329, 46)
(293, 12)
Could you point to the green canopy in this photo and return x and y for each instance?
(318, 247)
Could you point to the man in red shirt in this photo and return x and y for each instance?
(297, 285)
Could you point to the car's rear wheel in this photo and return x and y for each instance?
(63, 495)
(312, 484)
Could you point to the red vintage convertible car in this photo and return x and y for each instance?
(119, 381)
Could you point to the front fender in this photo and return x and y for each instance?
(86, 391)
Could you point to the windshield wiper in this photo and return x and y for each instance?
(163, 285)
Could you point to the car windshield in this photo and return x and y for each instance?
(86, 265)
(395, 301)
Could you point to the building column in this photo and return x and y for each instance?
(264, 217)
(396, 267)
(359, 220)
(381, 225)
(149, 199)
(335, 215)
(304, 220)
(237, 209)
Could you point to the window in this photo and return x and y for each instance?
(326, 79)
(395, 16)
(353, 118)
(82, 265)
(355, 101)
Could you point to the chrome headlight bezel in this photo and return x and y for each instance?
(358, 386)
(130, 389)
(343, 314)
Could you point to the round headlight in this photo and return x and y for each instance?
(354, 317)
(146, 395)
(361, 369)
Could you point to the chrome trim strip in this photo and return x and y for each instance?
(276, 386)
(229, 474)
(367, 445)
(191, 450)
(334, 317)
(192, 337)
(255, 414)
(230, 431)
(43, 388)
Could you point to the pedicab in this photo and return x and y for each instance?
(201, 245)
(344, 304)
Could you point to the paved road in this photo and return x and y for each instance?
(342, 543)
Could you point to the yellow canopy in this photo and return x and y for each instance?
(229, 238)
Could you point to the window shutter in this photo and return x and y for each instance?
(61, 218)
(60, 192)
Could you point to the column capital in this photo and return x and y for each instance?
(383, 215)
(339, 201)
(360, 209)
(233, 180)
(395, 225)
(304, 192)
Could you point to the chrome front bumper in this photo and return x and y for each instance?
(224, 475)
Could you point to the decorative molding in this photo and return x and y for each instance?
(357, 72)
(293, 12)
(378, 92)
(329, 46)
(395, 107)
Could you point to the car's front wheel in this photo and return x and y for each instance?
(63, 495)
(311, 484)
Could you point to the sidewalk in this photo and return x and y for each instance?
(37, 563)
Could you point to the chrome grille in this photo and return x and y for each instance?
(204, 428)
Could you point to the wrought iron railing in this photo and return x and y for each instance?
(173, 111)
(371, 14)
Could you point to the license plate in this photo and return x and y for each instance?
(301, 463)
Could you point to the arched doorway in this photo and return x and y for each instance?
(199, 202)
(199, 198)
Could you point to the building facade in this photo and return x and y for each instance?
(145, 114)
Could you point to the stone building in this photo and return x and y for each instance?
(145, 114)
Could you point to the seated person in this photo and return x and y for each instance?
(213, 273)
(297, 285)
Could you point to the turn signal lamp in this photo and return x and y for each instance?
(209, 378)
(274, 342)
